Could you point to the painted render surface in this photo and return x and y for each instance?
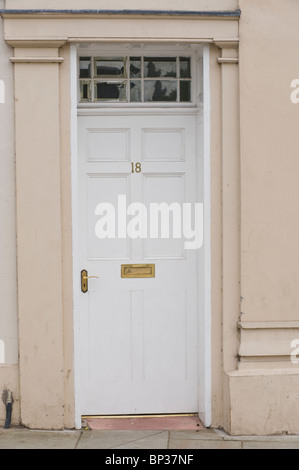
(254, 194)
(8, 263)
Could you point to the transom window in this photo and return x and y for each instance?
(135, 79)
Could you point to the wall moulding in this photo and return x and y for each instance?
(35, 42)
(229, 50)
(40, 13)
(56, 30)
(227, 43)
(59, 42)
(267, 342)
(44, 60)
(268, 325)
(228, 60)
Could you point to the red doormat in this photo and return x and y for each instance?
(154, 422)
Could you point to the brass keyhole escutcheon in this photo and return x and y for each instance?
(84, 280)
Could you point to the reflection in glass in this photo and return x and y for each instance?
(110, 68)
(110, 91)
(160, 67)
(185, 90)
(160, 90)
(185, 71)
(135, 67)
(85, 90)
(85, 67)
(135, 91)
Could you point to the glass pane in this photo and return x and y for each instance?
(160, 90)
(160, 67)
(85, 90)
(110, 91)
(185, 70)
(85, 67)
(135, 67)
(110, 68)
(185, 90)
(135, 91)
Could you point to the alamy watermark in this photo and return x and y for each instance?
(295, 93)
(157, 220)
(295, 353)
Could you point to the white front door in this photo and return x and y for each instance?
(138, 336)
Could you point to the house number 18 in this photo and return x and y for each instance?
(136, 167)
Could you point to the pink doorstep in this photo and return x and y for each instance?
(173, 423)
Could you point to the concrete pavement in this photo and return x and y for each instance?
(21, 438)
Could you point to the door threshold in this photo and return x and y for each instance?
(150, 415)
(152, 422)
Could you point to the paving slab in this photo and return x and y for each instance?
(263, 442)
(99, 439)
(284, 438)
(22, 438)
(203, 444)
(30, 439)
(157, 441)
(203, 434)
(275, 445)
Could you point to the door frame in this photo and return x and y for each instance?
(204, 313)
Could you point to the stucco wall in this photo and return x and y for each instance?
(8, 284)
(264, 391)
(8, 310)
(269, 44)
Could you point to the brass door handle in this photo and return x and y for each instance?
(84, 280)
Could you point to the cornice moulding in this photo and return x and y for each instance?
(256, 325)
(232, 43)
(41, 13)
(36, 42)
(228, 60)
(37, 60)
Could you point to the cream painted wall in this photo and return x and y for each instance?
(269, 44)
(197, 5)
(38, 170)
(8, 286)
(8, 283)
